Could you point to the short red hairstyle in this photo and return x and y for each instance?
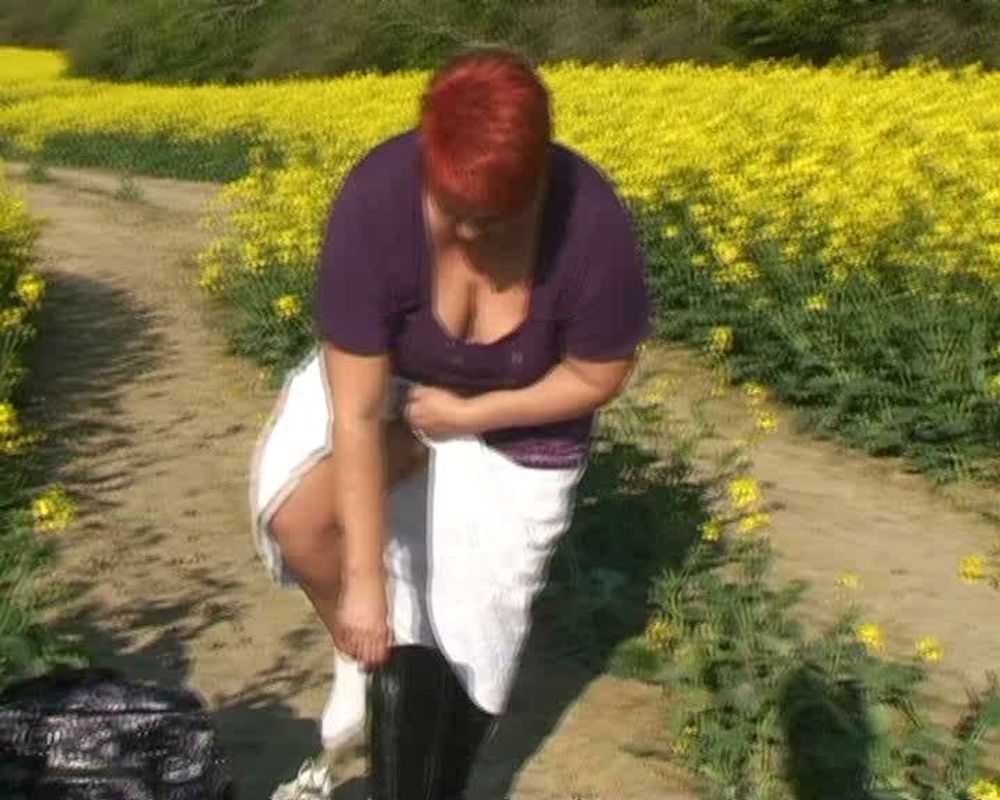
(485, 130)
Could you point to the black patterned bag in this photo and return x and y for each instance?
(92, 734)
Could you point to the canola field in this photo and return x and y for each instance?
(833, 233)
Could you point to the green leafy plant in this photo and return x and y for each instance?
(37, 171)
(763, 711)
(895, 361)
(129, 190)
(26, 647)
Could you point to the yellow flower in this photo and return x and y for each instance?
(984, 790)
(993, 387)
(737, 273)
(816, 302)
(9, 425)
(728, 252)
(711, 530)
(12, 317)
(671, 231)
(848, 580)
(53, 510)
(767, 422)
(30, 288)
(756, 393)
(660, 633)
(870, 635)
(972, 568)
(721, 339)
(929, 649)
(656, 390)
(752, 522)
(211, 277)
(20, 444)
(744, 493)
(838, 273)
(683, 743)
(288, 306)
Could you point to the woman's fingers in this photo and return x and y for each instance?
(370, 656)
(372, 653)
(344, 641)
(368, 648)
(411, 408)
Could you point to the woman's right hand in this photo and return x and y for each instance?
(361, 629)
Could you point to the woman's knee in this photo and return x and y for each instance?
(309, 512)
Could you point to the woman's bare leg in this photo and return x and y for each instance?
(310, 518)
(310, 509)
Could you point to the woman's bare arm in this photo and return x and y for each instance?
(359, 388)
(571, 389)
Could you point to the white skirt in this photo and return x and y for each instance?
(469, 538)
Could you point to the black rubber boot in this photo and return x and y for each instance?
(409, 709)
(468, 728)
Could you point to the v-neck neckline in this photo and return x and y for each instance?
(538, 267)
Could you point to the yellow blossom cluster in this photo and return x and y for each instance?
(24, 290)
(848, 163)
(742, 512)
(660, 633)
(288, 306)
(972, 569)
(13, 440)
(984, 790)
(927, 648)
(870, 635)
(849, 580)
(53, 510)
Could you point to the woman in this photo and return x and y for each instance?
(480, 295)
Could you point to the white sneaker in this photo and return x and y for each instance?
(314, 782)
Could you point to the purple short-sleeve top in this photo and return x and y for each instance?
(589, 297)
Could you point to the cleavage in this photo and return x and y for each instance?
(468, 308)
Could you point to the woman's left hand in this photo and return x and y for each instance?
(438, 412)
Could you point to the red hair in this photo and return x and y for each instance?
(484, 131)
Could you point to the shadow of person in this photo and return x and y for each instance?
(828, 736)
(634, 520)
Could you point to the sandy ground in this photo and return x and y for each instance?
(152, 425)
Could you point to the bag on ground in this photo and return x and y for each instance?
(93, 734)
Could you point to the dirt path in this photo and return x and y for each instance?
(837, 511)
(151, 425)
